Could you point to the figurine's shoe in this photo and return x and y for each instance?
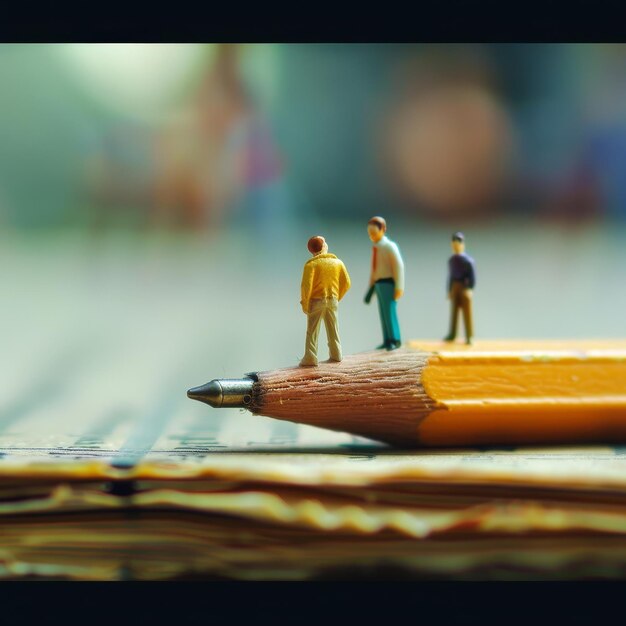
(382, 346)
(469, 341)
(449, 338)
(394, 345)
(304, 363)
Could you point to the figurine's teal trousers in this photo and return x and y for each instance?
(385, 290)
(321, 309)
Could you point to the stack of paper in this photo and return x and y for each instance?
(500, 514)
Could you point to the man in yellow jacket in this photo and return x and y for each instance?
(325, 281)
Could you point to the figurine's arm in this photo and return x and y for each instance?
(471, 275)
(344, 281)
(398, 270)
(306, 287)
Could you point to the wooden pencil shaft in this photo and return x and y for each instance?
(436, 394)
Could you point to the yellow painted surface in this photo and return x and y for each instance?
(512, 391)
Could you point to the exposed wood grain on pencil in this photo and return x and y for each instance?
(378, 394)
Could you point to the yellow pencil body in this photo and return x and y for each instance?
(437, 394)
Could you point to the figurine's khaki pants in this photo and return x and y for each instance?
(322, 309)
(460, 302)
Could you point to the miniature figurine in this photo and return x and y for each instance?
(325, 281)
(461, 281)
(387, 280)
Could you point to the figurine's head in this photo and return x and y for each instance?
(458, 243)
(317, 245)
(376, 228)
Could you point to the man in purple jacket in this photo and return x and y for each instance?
(461, 281)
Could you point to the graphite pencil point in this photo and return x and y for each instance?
(233, 392)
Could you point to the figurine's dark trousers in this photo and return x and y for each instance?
(460, 301)
(385, 290)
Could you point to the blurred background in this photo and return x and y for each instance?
(201, 137)
(162, 196)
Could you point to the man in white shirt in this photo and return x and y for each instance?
(387, 280)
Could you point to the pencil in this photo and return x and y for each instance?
(433, 394)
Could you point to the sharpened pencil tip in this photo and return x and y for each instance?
(225, 392)
(209, 393)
